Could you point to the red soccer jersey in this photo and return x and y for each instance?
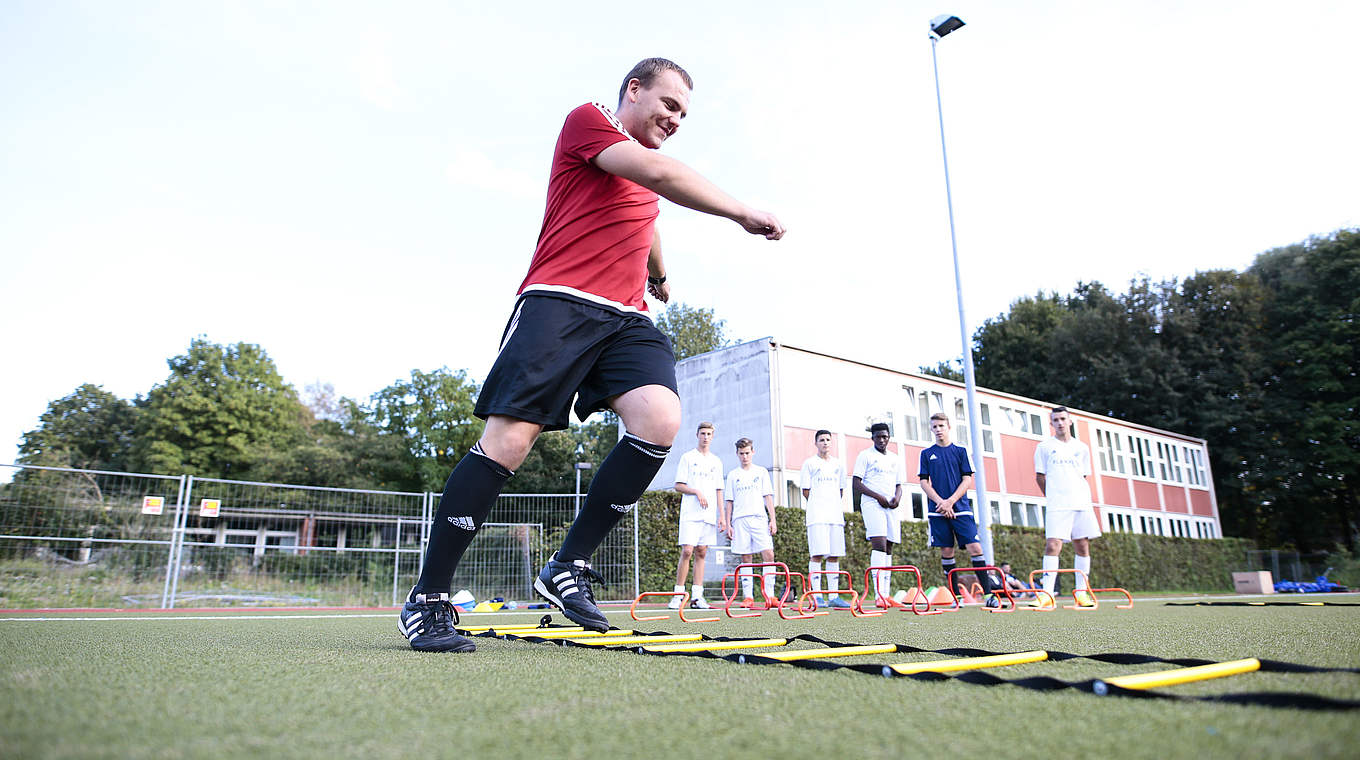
(597, 229)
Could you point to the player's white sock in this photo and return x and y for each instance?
(675, 600)
(747, 579)
(696, 591)
(815, 575)
(887, 576)
(767, 580)
(1050, 578)
(1083, 567)
(877, 558)
(833, 581)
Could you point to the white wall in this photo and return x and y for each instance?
(729, 387)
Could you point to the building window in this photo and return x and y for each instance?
(918, 506)
(1176, 463)
(961, 418)
(996, 512)
(911, 423)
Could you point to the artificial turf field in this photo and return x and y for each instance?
(345, 684)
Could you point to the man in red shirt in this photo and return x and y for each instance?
(580, 329)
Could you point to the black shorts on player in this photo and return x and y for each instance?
(556, 347)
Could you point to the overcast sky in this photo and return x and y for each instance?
(358, 187)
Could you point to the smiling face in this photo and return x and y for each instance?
(653, 113)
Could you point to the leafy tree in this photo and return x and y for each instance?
(951, 369)
(1310, 336)
(692, 330)
(221, 408)
(431, 415)
(89, 429)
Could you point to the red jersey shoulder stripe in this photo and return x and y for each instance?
(612, 119)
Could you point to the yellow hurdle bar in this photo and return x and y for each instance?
(1180, 675)
(970, 663)
(630, 640)
(713, 646)
(818, 654)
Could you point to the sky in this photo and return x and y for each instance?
(358, 187)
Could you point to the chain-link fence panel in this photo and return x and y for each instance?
(85, 538)
(244, 543)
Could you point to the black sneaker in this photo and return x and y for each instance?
(567, 586)
(993, 601)
(427, 621)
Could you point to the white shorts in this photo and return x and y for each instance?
(1068, 524)
(826, 540)
(698, 533)
(879, 521)
(751, 535)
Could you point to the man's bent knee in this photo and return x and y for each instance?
(651, 413)
(507, 440)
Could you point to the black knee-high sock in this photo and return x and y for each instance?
(622, 478)
(469, 494)
(945, 566)
(984, 577)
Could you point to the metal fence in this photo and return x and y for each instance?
(86, 538)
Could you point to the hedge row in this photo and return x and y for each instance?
(1133, 561)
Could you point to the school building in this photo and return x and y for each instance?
(1145, 480)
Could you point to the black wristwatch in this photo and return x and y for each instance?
(656, 280)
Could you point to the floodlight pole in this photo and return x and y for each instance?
(981, 505)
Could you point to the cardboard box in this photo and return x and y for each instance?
(1255, 582)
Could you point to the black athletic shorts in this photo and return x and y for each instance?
(556, 347)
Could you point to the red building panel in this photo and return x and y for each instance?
(1145, 495)
(1175, 499)
(1200, 503)
(799, 445)
(1116, 491)
(993, 479)
(1018, 454)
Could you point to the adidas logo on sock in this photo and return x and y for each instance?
(466, 523)
(624, 508)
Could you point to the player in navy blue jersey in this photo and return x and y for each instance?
(946, 477)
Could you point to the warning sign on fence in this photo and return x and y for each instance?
(209, 507)
(153, 505)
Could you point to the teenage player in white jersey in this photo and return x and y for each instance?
(580, 329)
(877, 483)
(1061, 465)
(822, 478)
(750, 518)
(699, 478)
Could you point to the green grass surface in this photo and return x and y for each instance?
(279, 686)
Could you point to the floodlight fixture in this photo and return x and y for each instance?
(942, 25)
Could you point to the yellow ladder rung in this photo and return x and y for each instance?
(561, 634)
(629, 640)
(516, 629)
(818, 654)
(970, 663)
(713, 646)
(1181, 675)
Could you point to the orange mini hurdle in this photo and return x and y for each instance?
(1085, 585)
(736, 574)
(859, 603)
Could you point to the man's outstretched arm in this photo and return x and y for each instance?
(680, 184)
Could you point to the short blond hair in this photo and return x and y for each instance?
(705, 425)
(940, 416)
(745, 443)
